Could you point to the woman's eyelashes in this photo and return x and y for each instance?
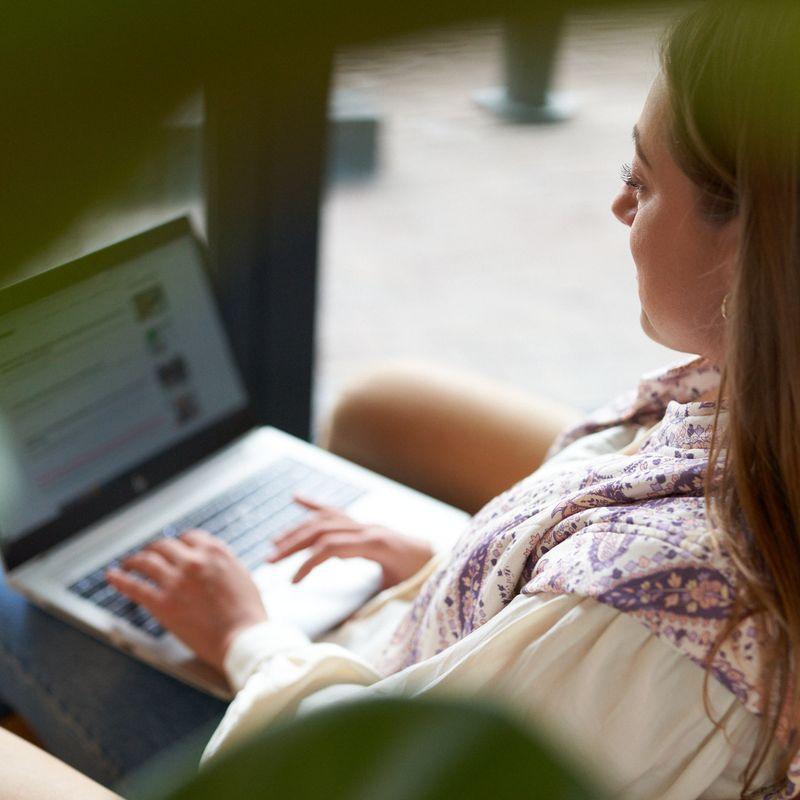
(629, 178)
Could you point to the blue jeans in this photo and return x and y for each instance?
(99, 710)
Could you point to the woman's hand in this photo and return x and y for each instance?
(329, 532)
(199, 591)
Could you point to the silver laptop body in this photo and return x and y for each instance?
(123, 418)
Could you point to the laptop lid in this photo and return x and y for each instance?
(115, 375)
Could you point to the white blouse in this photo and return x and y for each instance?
(615, 695)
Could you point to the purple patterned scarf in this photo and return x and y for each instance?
(627, 530)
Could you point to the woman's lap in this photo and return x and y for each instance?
(107, 714)
(91, 705)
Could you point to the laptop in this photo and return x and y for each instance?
(123, 418)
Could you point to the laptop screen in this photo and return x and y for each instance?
(103, 372)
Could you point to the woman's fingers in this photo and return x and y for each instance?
(309, 534)
(340, 545)
(313, 505)
(205, 600)
(301, 530)
(321, 512)
(173, 550)
(151, 565)
(141, 592)
(195, 537)
(155, 562)
(159, 562)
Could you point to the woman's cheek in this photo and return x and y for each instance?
(646, 256)
(648, 234)
(637, 242)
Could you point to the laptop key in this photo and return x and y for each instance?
(121, 606)
(105, 597)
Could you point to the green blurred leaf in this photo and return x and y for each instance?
(388, 749)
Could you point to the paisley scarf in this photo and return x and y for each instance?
(627, 530)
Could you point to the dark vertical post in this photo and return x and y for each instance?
(531, 36)
(530, 43)
(264, 162)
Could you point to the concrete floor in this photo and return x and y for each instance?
(490, 246)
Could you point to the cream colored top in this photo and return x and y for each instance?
(598, 680)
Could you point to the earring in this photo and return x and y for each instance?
(724, 309)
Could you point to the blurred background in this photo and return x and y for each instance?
(485, 244)
(448, 232)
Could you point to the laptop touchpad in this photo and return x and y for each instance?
(324, 598)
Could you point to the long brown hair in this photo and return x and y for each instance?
(733, 75)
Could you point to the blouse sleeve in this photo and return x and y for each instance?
(607, 689)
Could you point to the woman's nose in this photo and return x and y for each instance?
(624, 206)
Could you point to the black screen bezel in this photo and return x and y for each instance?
(155, 471)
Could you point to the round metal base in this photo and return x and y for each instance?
(559, 106)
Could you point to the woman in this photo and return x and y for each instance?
(641, 587)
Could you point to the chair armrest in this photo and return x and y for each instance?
(29, 773)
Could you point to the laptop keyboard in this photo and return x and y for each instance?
(246, 517)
